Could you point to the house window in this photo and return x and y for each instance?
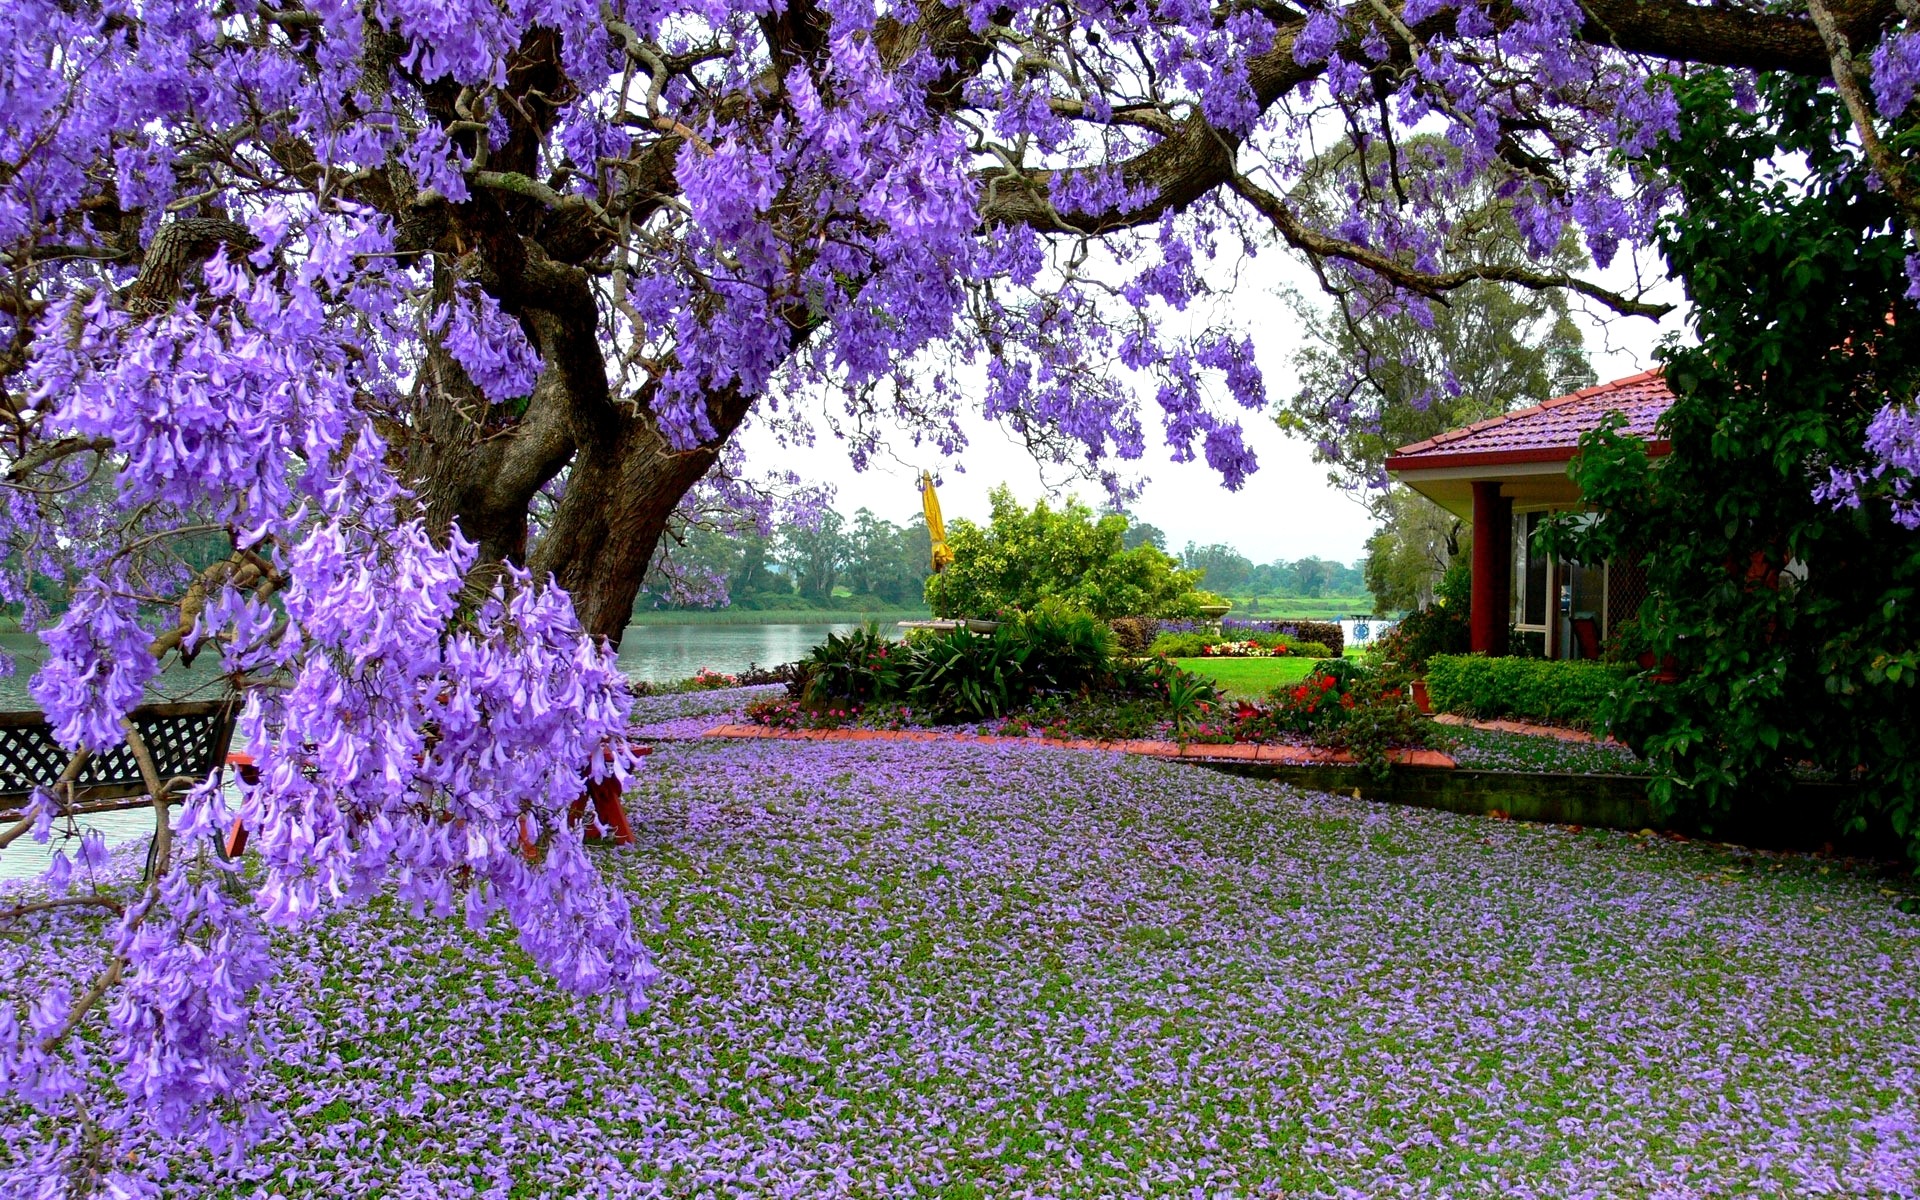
(1531, 575)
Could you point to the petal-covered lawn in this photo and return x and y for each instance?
(943, 970)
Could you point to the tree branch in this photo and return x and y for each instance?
(1303, 237)
(1846, 81)
(176, 252)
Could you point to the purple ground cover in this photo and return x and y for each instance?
(1498, 750)
(950, 970)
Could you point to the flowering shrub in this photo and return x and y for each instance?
(786, 713)
(853, 667)
(1255, 645)
(1323, 639)
(1440, 628)
(705, 681)
(1316, 703)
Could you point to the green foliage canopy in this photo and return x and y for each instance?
(1023, 557)
(1791, 624)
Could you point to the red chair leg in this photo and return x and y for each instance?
(236, 843)
(607, 809)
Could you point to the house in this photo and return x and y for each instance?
(1508, 473)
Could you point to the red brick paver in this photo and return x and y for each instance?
(1558, 732)
(1240, 751)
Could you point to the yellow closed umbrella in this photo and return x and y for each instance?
(936, 528)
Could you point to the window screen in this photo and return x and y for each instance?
(1535, 588)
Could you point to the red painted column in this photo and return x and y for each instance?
(1492, 568)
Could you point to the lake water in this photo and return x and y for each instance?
(655, 653)
(661, 653)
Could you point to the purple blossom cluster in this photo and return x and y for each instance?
(893, 970)
(1893, 446)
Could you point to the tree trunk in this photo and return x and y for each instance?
(471, 470)
(619, 495)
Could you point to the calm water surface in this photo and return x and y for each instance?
(655, 653)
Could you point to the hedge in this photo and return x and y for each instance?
(1533, 689)
(1327, 633)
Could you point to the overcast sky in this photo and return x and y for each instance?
(1287, 510)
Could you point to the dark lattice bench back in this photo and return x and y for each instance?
(188, 738)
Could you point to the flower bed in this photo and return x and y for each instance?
(1336, 709)
(1216, 645)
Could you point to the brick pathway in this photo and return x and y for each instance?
(1557, 732)
(1302, 756)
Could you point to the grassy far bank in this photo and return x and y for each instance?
(1314, 608)
(776, 616)
(991, 971)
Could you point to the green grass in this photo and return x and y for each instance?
(775, 616)
(1248, 677)
(1283, 608)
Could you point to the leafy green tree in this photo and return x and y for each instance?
(886, 561)
(1376, 375)
(1140, 533)
(814, 554)
(1416, 542)
(1024, 556)
(1222, 568)
(1790, 621)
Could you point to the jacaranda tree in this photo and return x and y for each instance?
(431, 313)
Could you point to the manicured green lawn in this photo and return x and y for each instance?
(1252, 678)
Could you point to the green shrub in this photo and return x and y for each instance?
(958, 675)
(1348, 676)
(1443, 627)
(1581, 694)
(1377, 725)
(1023, 556)
(1179, 645)
(1070, 649)
(856, 667)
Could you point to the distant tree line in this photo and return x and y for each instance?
(835, 562)
(1232, 573)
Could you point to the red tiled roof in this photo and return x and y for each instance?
(1548, 432)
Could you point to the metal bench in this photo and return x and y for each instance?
(187, 742)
